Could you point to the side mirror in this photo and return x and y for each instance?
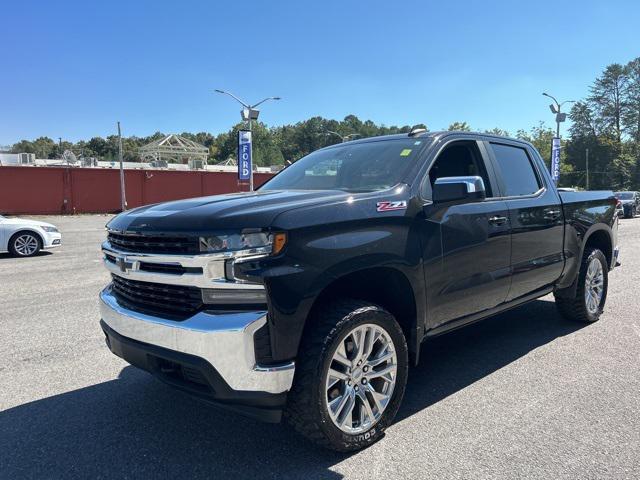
(459, 190)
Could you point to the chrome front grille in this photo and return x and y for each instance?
(171, 285)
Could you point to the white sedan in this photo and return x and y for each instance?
(24, 238)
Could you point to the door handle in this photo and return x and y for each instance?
(496, 220)
(551, 214)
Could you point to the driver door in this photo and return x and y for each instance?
(472, 274)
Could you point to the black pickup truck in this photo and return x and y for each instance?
(310, 297)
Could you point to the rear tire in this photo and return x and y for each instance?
(336, 373)
(25, 244)
(591, 293)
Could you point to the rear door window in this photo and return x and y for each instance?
(518, 173)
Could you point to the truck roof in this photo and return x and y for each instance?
(433, 135)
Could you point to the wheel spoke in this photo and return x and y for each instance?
(337, 404)
(346, 415)
(377, 397)
(360, 337)
(382, 358)
(367, 408)
(334, 377)
(391, 368)
(373, 338)
(342, 359)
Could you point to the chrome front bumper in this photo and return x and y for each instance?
(224, 340)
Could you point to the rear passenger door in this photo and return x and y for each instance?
(535, 215)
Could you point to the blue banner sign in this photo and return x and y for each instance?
(244, 155)
(555, 160)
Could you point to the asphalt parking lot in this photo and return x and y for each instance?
(522, 395)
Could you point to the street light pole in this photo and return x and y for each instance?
(556, 108)
(556, 145)
(248, 114)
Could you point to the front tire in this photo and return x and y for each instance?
(350, 376)
(25, 244)
(591, 293)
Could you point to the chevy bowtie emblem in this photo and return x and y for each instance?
(123, 265)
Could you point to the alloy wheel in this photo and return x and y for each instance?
(26, 245)
(594, 286)
(361, 378)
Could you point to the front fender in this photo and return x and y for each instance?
(317, 257)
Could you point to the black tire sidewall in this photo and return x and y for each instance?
(595, 254)
(13, 239)
(373, 315)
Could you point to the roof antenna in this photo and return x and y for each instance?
(416, 130)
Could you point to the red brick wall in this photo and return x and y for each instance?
(53, 190)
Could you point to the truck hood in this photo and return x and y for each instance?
(220, 212)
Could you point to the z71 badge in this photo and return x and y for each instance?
(390, 206)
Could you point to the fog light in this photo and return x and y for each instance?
(234, 296)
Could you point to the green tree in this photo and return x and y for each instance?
(498, 131)
(459, 126)
(541, 137)
(607, 98)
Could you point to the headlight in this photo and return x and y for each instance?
(239, 248)
(50, 229)
(247, 243)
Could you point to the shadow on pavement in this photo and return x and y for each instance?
(458, 359)
(137, 427)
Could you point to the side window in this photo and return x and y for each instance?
(460, 159)
(518, 173)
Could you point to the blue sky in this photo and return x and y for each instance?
(72, 69)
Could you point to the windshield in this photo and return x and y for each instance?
(356, 167)
(625, 195)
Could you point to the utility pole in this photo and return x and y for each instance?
(123, 199)
(248, 113)
(587, 169)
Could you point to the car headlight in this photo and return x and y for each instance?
(245, 243)
(239, 248)
(50, 229)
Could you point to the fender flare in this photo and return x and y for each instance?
(345, 269)
(570, 291)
